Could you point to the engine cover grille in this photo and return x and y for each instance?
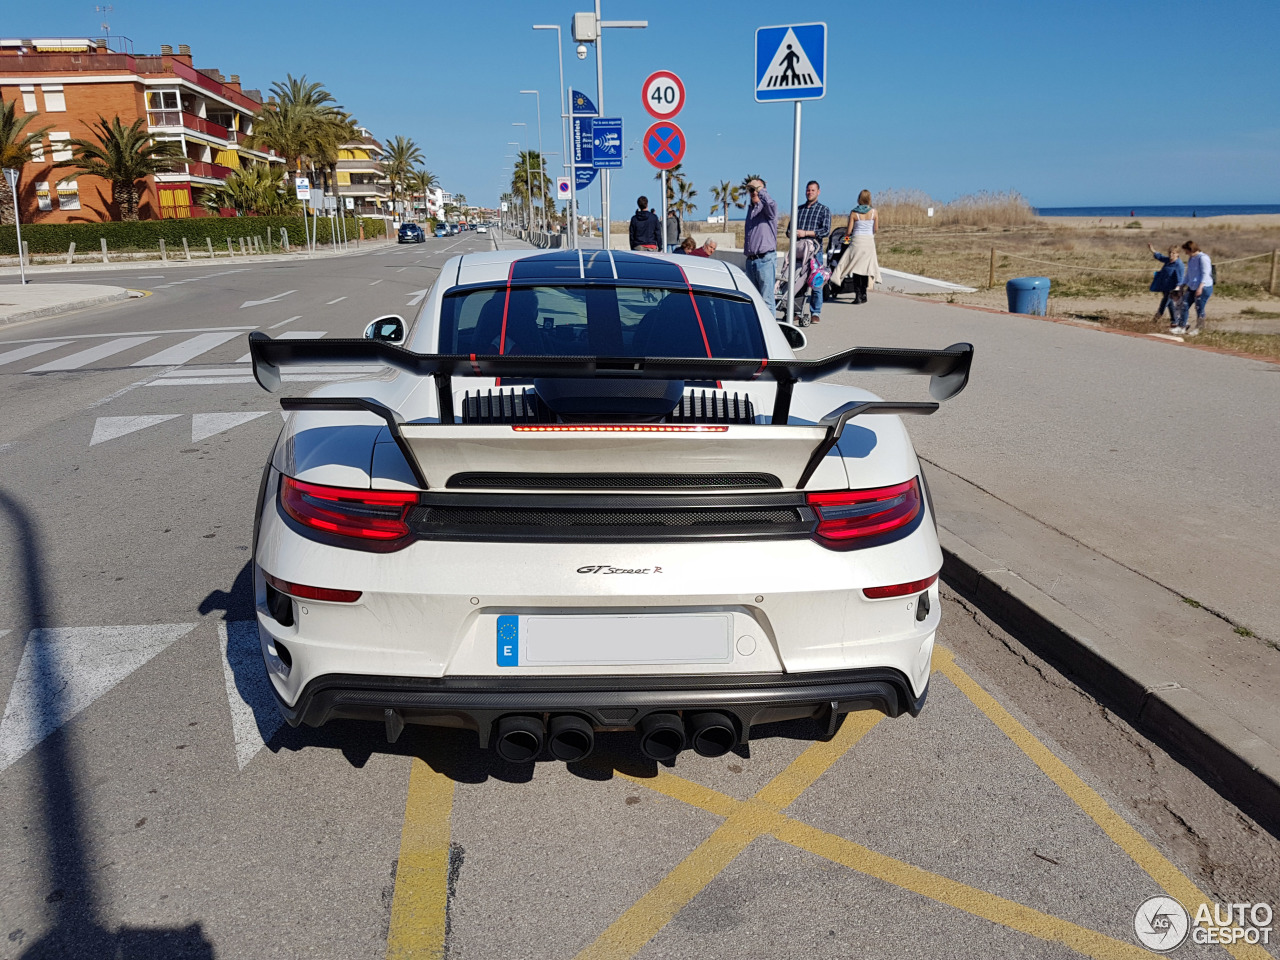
(523, 406)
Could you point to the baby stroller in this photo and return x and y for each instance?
(807, 273)
(839, 246)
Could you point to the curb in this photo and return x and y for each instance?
(57, 308)
(1237, 763)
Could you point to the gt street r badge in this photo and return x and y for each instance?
(608, 569)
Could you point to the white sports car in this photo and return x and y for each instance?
(595, 491)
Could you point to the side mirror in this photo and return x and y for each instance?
(795, 336)
(389, 329)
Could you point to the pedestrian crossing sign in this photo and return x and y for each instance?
(791, 62)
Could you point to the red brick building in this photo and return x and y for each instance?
(70, 83)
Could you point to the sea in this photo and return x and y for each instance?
(1170, 211)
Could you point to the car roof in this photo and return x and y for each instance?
(628, 268)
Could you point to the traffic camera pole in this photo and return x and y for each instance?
(795, 202)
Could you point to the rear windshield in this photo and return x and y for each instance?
(599, 321)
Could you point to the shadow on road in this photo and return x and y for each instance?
(75, 927)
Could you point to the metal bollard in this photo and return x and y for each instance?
(230, 252)
(164, 255)
(284, 239)
(104, 250)
(209, 241)
(242, 253)
(185, 248)
(71, 253)
(26, 253)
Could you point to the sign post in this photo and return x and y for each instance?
(791, 64)
(663, 96)
(11, 175)
(583, 111)
(302, 186)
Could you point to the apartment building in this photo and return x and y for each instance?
(360, 176)
(70, 83)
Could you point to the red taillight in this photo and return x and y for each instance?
(846, 517)
(378, 515)
(303, 592)
(899, 589)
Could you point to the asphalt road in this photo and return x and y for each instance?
(168, 812)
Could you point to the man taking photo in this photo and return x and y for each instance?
(760, 238)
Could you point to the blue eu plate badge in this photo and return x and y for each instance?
(509, 641)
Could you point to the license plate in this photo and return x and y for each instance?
(536, 640)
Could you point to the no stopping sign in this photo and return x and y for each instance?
(663, 94)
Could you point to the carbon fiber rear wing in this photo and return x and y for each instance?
(948, 369)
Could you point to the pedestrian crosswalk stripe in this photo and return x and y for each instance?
(187, 350)
(205, 425)
(92, 354)
(21, 353)
(109, 428)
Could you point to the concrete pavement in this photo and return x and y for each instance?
(20, 302)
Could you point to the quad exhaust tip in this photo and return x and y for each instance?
(661, 736)
(712, 734)
(571, 738)
(519, 739)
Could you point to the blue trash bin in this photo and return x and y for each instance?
(1028, 295)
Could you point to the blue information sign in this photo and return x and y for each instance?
(606, 143)
(585, 175)
(791, 62)
(580, 104)
(582, 141)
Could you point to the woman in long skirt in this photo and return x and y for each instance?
(859, 262)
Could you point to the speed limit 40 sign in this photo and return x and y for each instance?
(663, 95)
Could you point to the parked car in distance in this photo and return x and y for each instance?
(442, 229)
(411, 233)
(482, 229)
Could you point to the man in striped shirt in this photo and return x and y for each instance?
(813, 219)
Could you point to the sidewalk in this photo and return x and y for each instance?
(9, 265)
(18, 302)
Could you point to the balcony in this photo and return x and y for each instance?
(212, 171)
(189, 121)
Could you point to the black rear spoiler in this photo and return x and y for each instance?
(948, 369)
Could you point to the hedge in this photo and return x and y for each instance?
(55, 238)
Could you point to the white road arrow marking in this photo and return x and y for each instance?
(65, 669)
(258, 303)
(205, 425)
(254, 717)
(108, 428)
(417, 297)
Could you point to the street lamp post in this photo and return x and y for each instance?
(542, 173)
(528, 172)
(11, 174)
(564, 136)
(589, 28)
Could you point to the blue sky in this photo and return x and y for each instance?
(1069, 103)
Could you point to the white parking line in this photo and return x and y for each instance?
(375, 283)
(332, 302)
(91, 355)
(283, 322)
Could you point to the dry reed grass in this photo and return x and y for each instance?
(982, 211)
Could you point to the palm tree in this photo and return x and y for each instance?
(16, 146)
(123, 155)
(299, 122)
(726, 194)
(684, 204)
(675, 177)
(528, 177)
(421, 183)
(298, 92)
(398, 163)
(260, 188)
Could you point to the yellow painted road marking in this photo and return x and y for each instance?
(766, 819)
(418, 908)
(642, 921)
(1174, 882)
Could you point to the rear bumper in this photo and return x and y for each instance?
(612, 704)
